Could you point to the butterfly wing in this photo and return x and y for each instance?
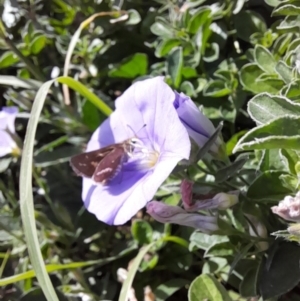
(110, 165)
(85, 164)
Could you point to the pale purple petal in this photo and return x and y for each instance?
(7, 118)
(7, 144)
(148, 102)
(199, 127)
(129, 192)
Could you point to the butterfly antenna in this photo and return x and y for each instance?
(135, 133)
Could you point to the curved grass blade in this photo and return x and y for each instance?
(81, 89)
(9, 80)
(127, 284)
(56, 267)
(74, 41)
(26, 197)
(131, 273)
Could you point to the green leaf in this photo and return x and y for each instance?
(231, 143)
(284, 71)
(280, 270)
(188, 89)
(287, 10)
(290, 159)
(271, 160)
(268, 187)
(211, 53)
(278, 133)
(131, 67)
(142, 232)
(198, 19)
(264, 107)
(293, 91)
(205, 241)
(160, 28)
(222, 249)
(167, 289)
(226, 172)
(216, 88)
(174, 65)
(165, 46)
(273, 3)
(249, 77)
(281, 44)
(248, 23)
(8, 59)
(264, 59)
(38, 44)
(206, 287)
(90, 116)
(133, 17)
(248, 285)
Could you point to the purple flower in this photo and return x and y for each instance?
(8, 143)
(173, 214)
(199, 127)
(144, 111)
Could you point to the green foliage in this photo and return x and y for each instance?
(239, 60)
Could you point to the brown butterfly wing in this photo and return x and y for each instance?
(85, 164)
(109, 165)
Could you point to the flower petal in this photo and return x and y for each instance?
(7, 118)
(150, 103)
(127, 194)
(7, 144)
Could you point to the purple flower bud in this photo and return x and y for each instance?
(186, 189)
(220, 201)
(289, 208)
(176, 215)
(199, 127)
(8, 137)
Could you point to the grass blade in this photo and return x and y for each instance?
(26, 197)
(9, 80)
(56, 267)
(73, 43)
(81, 89)
(131, 273)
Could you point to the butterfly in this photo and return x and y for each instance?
(103, 164)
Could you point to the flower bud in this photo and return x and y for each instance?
(176, 215)
(289, 208)
(186, 189)
(198, 126)
(220, 201)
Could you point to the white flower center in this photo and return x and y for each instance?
(147, 158)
